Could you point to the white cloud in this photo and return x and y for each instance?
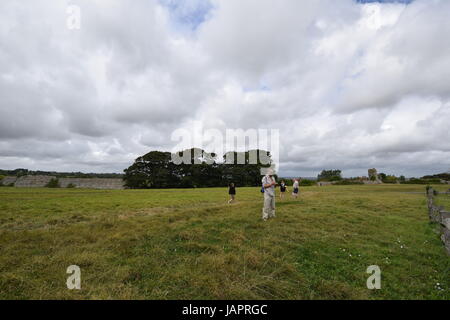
(350, 86)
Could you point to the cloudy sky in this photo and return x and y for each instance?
(349, 84)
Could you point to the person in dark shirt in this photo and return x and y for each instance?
(283, 189)
(232, 192)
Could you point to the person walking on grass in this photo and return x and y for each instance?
(283, 189)
(269, 184)
(232, 193)
(295, 189)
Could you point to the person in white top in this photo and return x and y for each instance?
(269, 184)
(295, 189)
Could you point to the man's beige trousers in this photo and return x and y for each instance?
(269, 206)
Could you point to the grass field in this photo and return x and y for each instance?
(443, 200)
(189, 244)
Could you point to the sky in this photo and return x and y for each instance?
(350, 85)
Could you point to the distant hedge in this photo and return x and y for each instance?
(307, 183)
(422, 181)
(348, 182)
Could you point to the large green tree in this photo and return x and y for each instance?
(194, 167)
(330, 175)
(152, 170)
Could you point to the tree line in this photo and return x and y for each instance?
(157, 169)
(335, 176)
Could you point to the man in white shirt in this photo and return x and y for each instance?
(295, 189)
(269, 184)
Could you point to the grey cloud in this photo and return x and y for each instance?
(348, 88)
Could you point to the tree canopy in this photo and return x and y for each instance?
(157, 169)
(330, 175)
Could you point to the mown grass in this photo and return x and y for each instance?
(189, 244)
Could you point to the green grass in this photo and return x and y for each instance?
(443, 200)
(189, 244)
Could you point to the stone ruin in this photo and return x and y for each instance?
(373, 174)
(37, 181)
(374, 178)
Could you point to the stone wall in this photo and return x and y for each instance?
(41, 181)
(438, 214)
(33, 181)
(372, 182)
(92, 183)
(324, 183)
(6, 181)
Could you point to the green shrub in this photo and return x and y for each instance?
(71, 186)
(307, 183)
(389, 179)
(53, 183)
